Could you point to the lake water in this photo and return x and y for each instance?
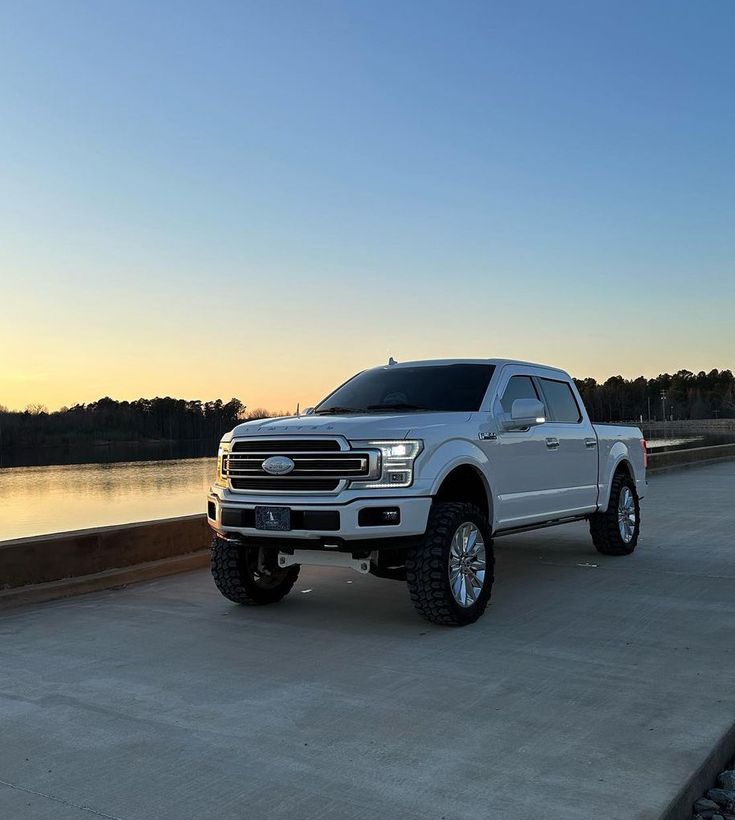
(38, 500)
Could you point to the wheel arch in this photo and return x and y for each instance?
(618, 461)
(465, 481)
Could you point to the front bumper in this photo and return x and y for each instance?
(226, 516)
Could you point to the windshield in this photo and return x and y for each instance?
(440, 387)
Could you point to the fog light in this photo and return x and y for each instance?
(379, 516)
(398, 477)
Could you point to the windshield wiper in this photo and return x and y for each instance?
(337, 411)
(396, 406)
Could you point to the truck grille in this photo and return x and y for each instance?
(320, 465)
(296, 485)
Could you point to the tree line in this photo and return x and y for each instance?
(683, 395)
(108, 420)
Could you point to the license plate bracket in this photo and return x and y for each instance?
(273, 518)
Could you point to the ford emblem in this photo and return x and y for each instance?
(278, 465)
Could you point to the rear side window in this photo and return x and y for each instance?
(560, 401)
(519, 387)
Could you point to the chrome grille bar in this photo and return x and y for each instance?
(340, 465)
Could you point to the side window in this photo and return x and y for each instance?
(519, 387)
(560, 401)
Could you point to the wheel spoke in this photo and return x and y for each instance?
(465, 536)
(472, 540)
(470, 590)
(461, 594)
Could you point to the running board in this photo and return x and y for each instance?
(553, 523)
(317, 558)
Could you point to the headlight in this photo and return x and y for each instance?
(397, 459)
(224, 448)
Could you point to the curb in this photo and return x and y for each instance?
(122, 576)
(680, 808)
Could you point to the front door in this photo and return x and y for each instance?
(517, 459)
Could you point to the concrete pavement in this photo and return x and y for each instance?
(592, 688)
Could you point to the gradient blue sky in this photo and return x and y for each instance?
(259, 199)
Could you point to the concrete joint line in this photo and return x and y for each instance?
(58, 800)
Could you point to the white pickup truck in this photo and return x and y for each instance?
(409, 471)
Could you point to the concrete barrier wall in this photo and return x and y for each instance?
(49, 566)
(692, 456)
(47, 558)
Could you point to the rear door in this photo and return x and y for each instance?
(572, 447)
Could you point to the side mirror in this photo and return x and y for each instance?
(525, 413)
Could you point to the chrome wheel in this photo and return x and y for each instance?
(467, 564)
(626, 515)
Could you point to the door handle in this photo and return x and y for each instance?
(552, 443)
(590, 442)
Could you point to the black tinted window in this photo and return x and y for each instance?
(560, 401)
(519, 387)
(452, 387)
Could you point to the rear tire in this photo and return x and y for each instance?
(450, 576)
(615, 531)
(244, 576)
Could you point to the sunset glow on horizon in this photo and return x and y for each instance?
(262, 200)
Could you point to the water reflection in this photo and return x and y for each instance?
(681, 441)
(37, 500)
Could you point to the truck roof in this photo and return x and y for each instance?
(496, 362)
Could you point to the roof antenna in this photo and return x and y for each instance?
(391, 361)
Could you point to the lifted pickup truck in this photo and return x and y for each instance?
(409, 471)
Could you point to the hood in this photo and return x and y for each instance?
(352, 427)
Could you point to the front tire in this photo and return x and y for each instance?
(615, 531)
(450, 576)
(248, 575)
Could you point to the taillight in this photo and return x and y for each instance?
(644, 445)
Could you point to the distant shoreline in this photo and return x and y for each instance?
(111, 442)
(106, 451)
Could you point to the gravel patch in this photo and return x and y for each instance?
(719, 802)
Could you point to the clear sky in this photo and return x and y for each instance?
(258, 199)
